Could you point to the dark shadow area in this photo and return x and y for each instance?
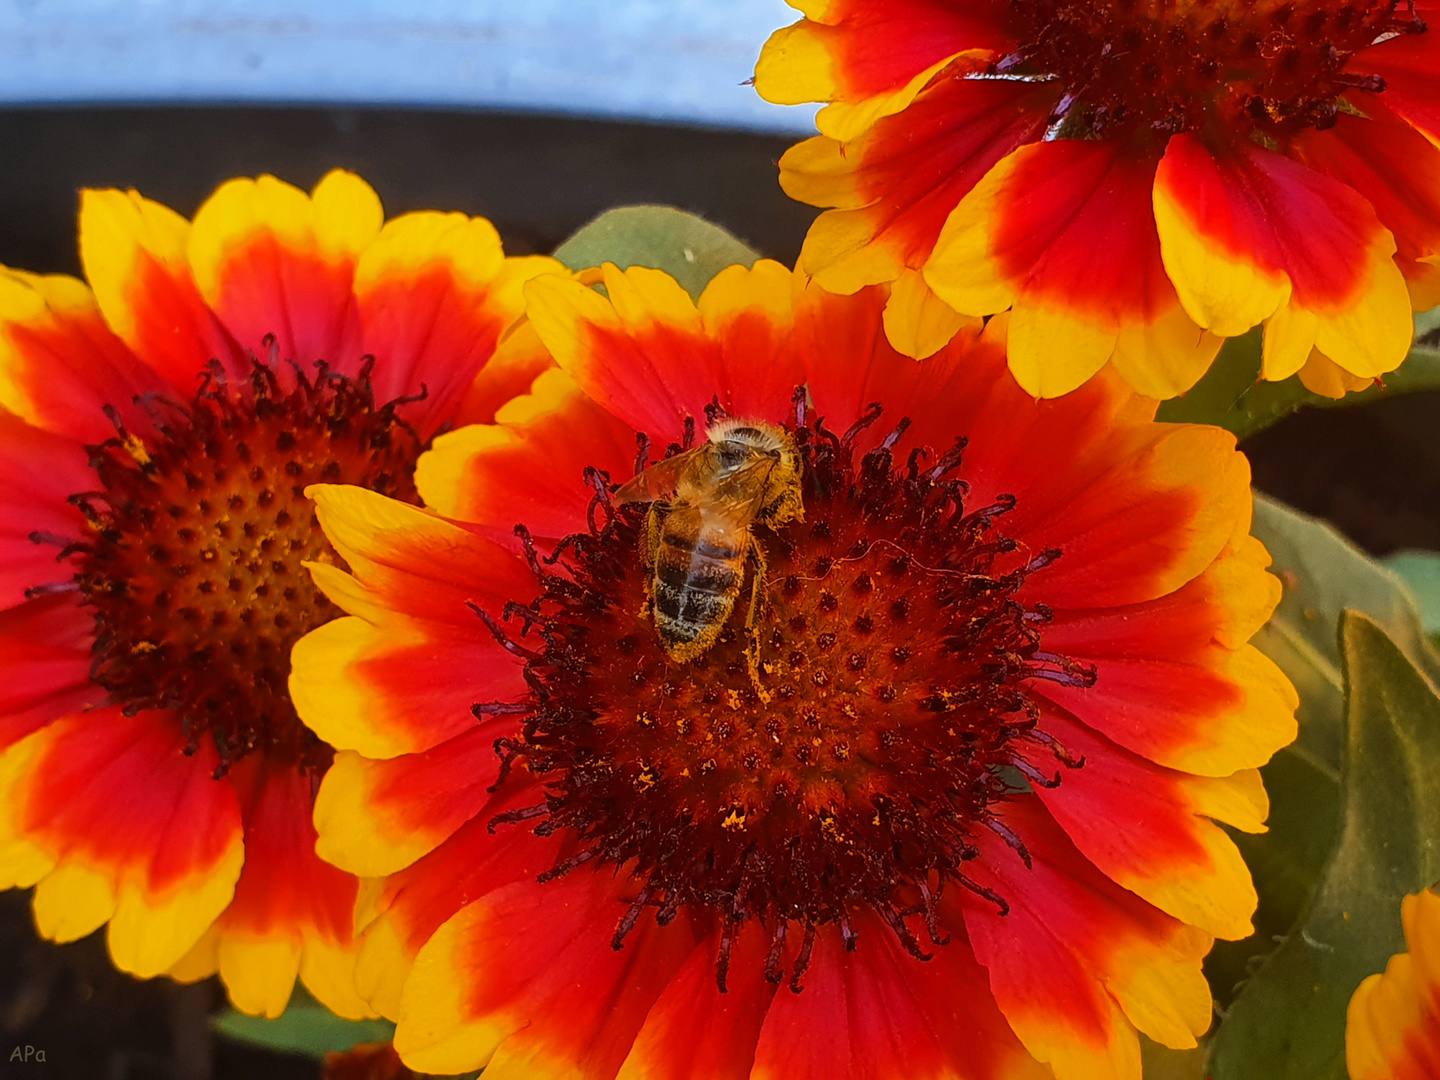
(537, 178)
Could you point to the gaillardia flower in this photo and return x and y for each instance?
(156, 435)
(1134, 179)
(1392, 1031)
(940, 802)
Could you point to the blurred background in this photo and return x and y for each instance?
(537, 115)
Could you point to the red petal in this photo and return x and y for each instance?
(1390, 163)
(61, 362)
(41, 472)
(528, 468)
(879, 1012)
(284, 890)
(120, 792)
(694, 1032)
(895, 185)
(44, 665)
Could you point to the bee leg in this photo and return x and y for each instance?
(752, 646)
(650, 545)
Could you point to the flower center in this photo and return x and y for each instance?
(886, 722)
(1271, 67)
(194, 569)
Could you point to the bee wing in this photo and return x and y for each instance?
(659, 481)
(740, 494)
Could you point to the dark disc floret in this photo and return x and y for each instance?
(891, 722)
(1268, 67)
(200, 529)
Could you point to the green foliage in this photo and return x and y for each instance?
(306, 1027)
(1288, 1022)
(688, 248)
(1421, 571)
(1232, 395)
(1323, 574)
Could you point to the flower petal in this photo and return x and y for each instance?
(59, 363)
(416, 562)
(528, 467)
(119, 796)
(41, 472)
(1390, 164)
(288, 904)
(694, 1032)
(390, 691)
(871, 57)
(270, 260)
(572, 1010)
(434, 293)
(377, 817)
(133, 251)
(1150, 829)
(649, 356)
(893, 186)
(404, 911)
(1064, 232)
(44, 664)
(1246, 232)
(879, 1012)
(1078, 960)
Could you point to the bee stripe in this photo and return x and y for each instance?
(702, 547)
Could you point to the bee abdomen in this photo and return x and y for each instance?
(695, 588)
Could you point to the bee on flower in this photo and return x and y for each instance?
(1133, 181)
(158, 426)
(960, 820)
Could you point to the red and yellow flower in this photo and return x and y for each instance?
(1135, 182)
(1392, 1030)
(157, 428)
(960, 822)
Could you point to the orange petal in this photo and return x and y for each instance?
(1078, 963)
(1064, 232)
(893, 186)
(59, 363)
(649, 357)
(1153, 830)
(118, 797)
(528, 467)
(270, 260)
(572, 1008)
(435, 293)
(871, 57)
(1388, 162)
(377, 817)
(133, 251)
(1246, 233)
(291, 913)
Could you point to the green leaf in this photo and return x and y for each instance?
(1161, 1063)
(1323, 574)
(688, 248)
(305, 1027)
(1289, 1021)
(1232, 395)
(1421, 571)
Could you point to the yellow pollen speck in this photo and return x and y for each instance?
(140, 648)
(733, 697)
(736, 820)
(136, 449)
(644, 719)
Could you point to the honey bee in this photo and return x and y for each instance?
(698, 532)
